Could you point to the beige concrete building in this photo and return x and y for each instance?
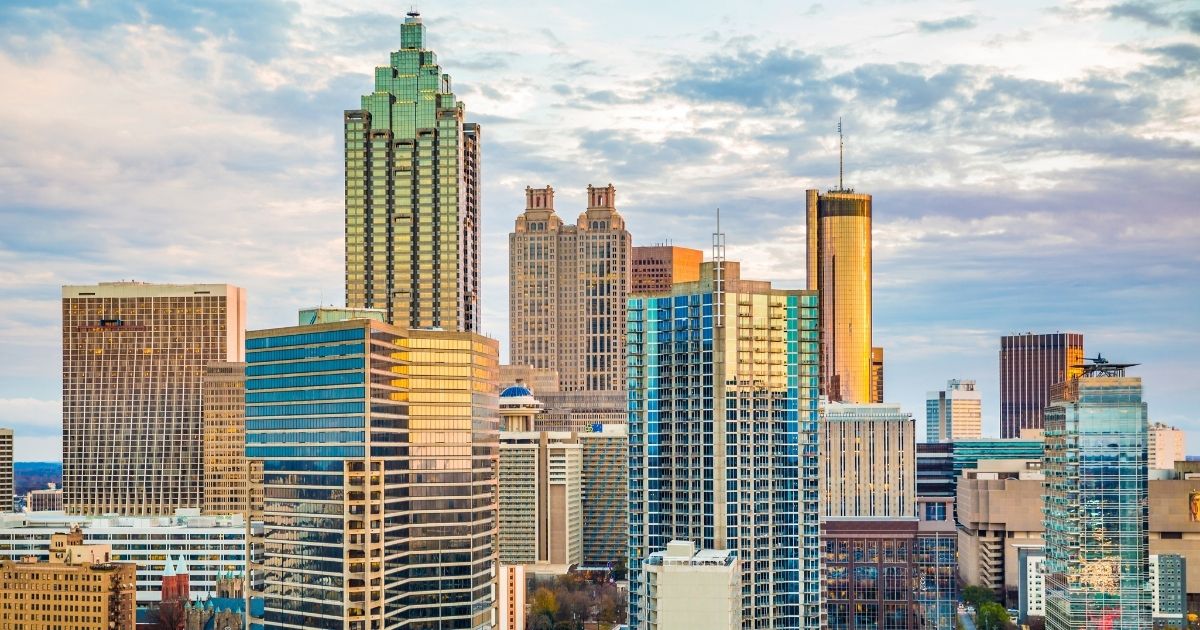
(512, 597)
(134, 356)
(868, 462)
(7, 492)
(605, 495)
(686, 589)
(90, 592)
(657, 267)
(567, 291)
(231, 483)
(541, 498)
(1164, 446)
(48, 500)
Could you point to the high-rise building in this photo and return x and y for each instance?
(688, 589)
(80, 588)
(582, 411)
(954, 413)
(7, 492)
(231, 484)
(1165, 446)
(1030, 364)
(876, 375)
(656, 267)
(567, 286)
(605, 495)
(1168, 587)
(541, 498)
(1096, 502)
(539, 381)
(134, 356)
(839, 269)
(935, 563)
(412, 194)
(512, 597)
(723, 436)
(868, 467)
(379, 451)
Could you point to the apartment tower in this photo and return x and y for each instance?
(412, 194)
(567, 289)
(1030, 364)
(134, 358)
(723, 437)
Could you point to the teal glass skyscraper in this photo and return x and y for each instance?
(1095, 504)
(412, 195)
(722, 381)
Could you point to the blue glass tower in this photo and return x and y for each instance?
(723, 385)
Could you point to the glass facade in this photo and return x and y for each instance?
(412, 195)
(1096, 505)
(723, 437)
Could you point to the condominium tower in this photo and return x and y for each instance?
(232, 485)
(723, 437)
(567, 287)
(1096, 503)
(1030, 364)
(954, 413)
(134, 358)
(379, 451)
(412, 194)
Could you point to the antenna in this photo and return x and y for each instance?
(841, 153)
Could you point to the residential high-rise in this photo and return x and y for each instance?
(839, 269)
(954, 413)
(1165, 446)
(723, 436)
(1096, 502)
(84, 590)
(868, 467)
(412, 194)
(1168, 586)
(7, 492)
(605, 495)
(231, 484)
(1030, 364)
(541, 498)
(567, 286)
(379, 452)
(655, 268)
(691, 590)
(134, 356)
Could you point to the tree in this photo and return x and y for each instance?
(991, 616)
(977, 596)
(545, 603)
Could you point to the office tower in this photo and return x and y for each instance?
(567, 286)
(1168, 587)
(541, 499)
(7, 492)
(211, 546)
(1030, 364)
(839, 269)
(134, 356)
(869, 465)
(605, 495)
(412, 194)
(512, 597)
(656, 267)
(81, 589)
(723, 436)
(954, 413)
(1096, 502)
(935, 562)
(1165, 446)
(691, 590)
(47, 500)
(231, 484)
(379, 448)
(876, 375)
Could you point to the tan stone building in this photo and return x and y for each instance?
(231, 483)
(89, 591)
(541, 498)
(49, 499)
(656, 267)
(567, 291)
(134, 356)
(868, 463)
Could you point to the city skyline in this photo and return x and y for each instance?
(207, 148)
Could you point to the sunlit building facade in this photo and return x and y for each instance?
(1096, 504)
(1030, 364)
(839, 269)
(655, 268)
(6, 470)
(723, 437)
(412, 194)
(954, 413)
(868, 463)
(231, 484)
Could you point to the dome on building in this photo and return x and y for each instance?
(514, 391)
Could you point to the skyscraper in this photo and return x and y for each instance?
(412, 194)
(1030, 364)
(6, 470)
(656, 267)
(876, 375)
(1096, 502)
(379, 448)
(232, 485)
(954, 413)
(869, 464)
(567, 287)
(605, 495)
(839, 269)
(541, 498)
(723, 436)
(1165, 446)
(134, 356)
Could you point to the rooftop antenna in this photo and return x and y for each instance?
(412, 11)
(841, 155)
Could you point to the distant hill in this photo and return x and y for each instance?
(35, 475)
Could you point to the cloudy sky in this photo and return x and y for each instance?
(1035, 166)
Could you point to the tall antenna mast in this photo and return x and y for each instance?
(841, 154)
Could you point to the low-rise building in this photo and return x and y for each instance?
(686, 589)
(48, 500)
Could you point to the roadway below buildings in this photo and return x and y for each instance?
(968, 622)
